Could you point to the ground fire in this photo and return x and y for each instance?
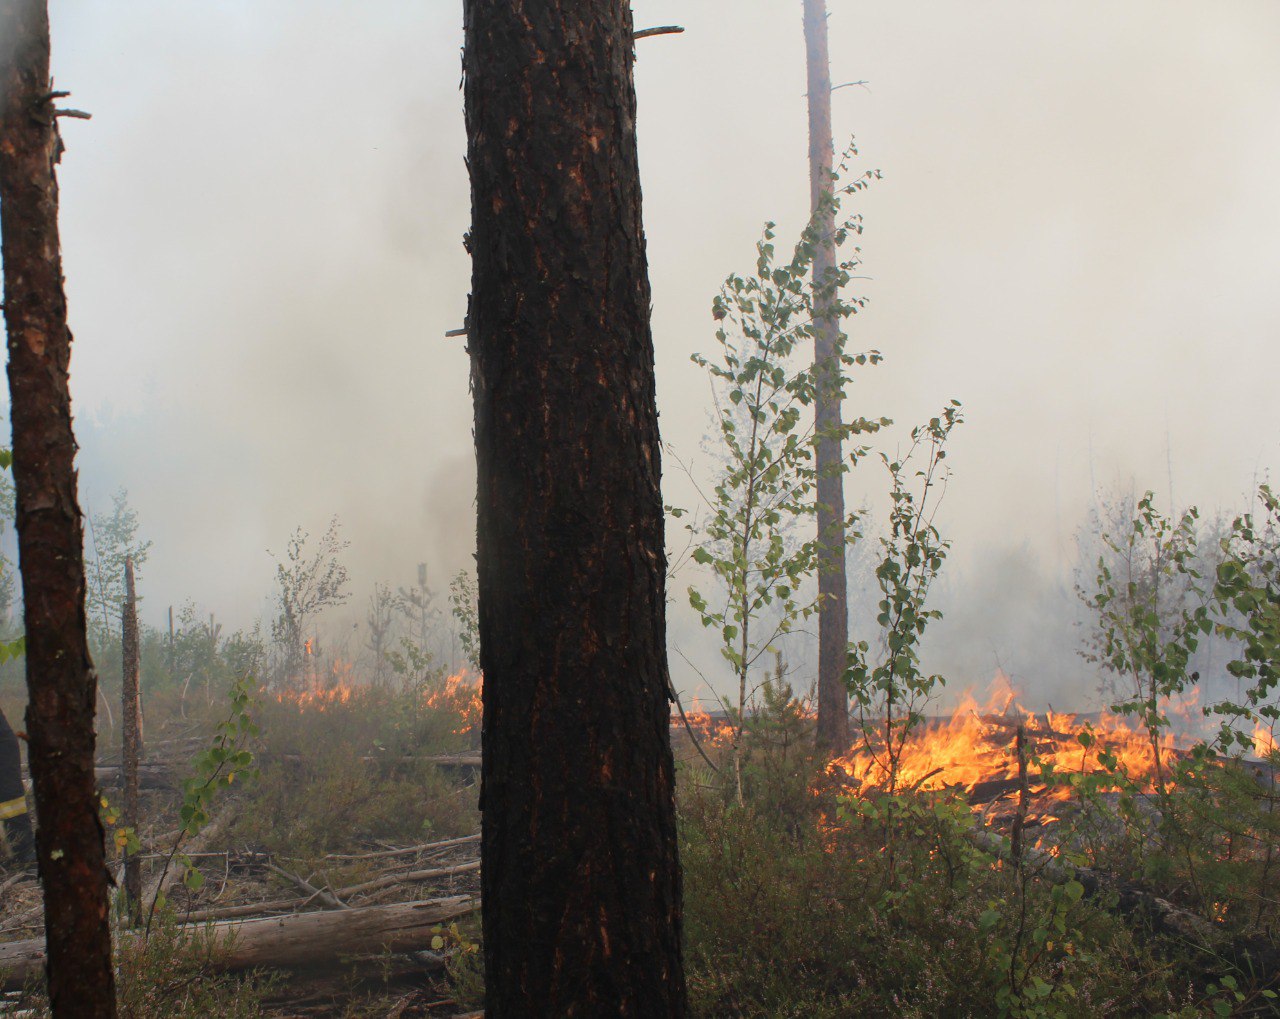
(459, 694)
(975, 746)
(974, 749)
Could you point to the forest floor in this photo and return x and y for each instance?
(818, 896)
(350, 810)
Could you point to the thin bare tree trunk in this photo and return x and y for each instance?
(132, 733)
(61, 683)
(833, 614)
(581, 880)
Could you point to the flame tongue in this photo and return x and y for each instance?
(1264, 740)
(460, 693)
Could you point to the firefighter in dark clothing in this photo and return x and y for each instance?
(14, 819)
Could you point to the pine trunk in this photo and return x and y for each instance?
(581, 882)
(833, 614)
(61, 683)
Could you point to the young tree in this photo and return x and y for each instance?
(890, 692)
(466, 616)
(60, 678)
(113, 540)
(309, 580)
(1246, 594)
(581, 881)
(380, 617)
(416, 607)
(767, 438)
(1150, 613)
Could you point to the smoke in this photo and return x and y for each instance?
(1075, 236)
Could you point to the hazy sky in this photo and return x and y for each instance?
(1076, 235)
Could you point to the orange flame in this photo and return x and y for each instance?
(318, 699)
(1264, 740)
(976, 744)
(460, 693)
(716, 731)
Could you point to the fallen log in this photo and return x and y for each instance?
(257, 909)
(1250, 954)
(150, 776)
(284, 942)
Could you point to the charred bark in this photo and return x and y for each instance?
(833, 583)
(581, 882)
(61, 682)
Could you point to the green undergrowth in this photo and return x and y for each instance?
(781, 922)
(343, 774)
(335, 801)
(811, 899)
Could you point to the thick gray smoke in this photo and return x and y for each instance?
(1075, 236)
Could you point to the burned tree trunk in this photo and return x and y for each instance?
(60, 678)
(131, 728)
(581, 882)
(833, 613)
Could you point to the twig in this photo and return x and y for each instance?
(297, 904)
(645, 33)
(1020, 815)
(327, 897)
(407, 851)
(167, 876)
(411, 876)
(689, 728)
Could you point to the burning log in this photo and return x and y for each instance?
(981, 793)
(283, 942)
